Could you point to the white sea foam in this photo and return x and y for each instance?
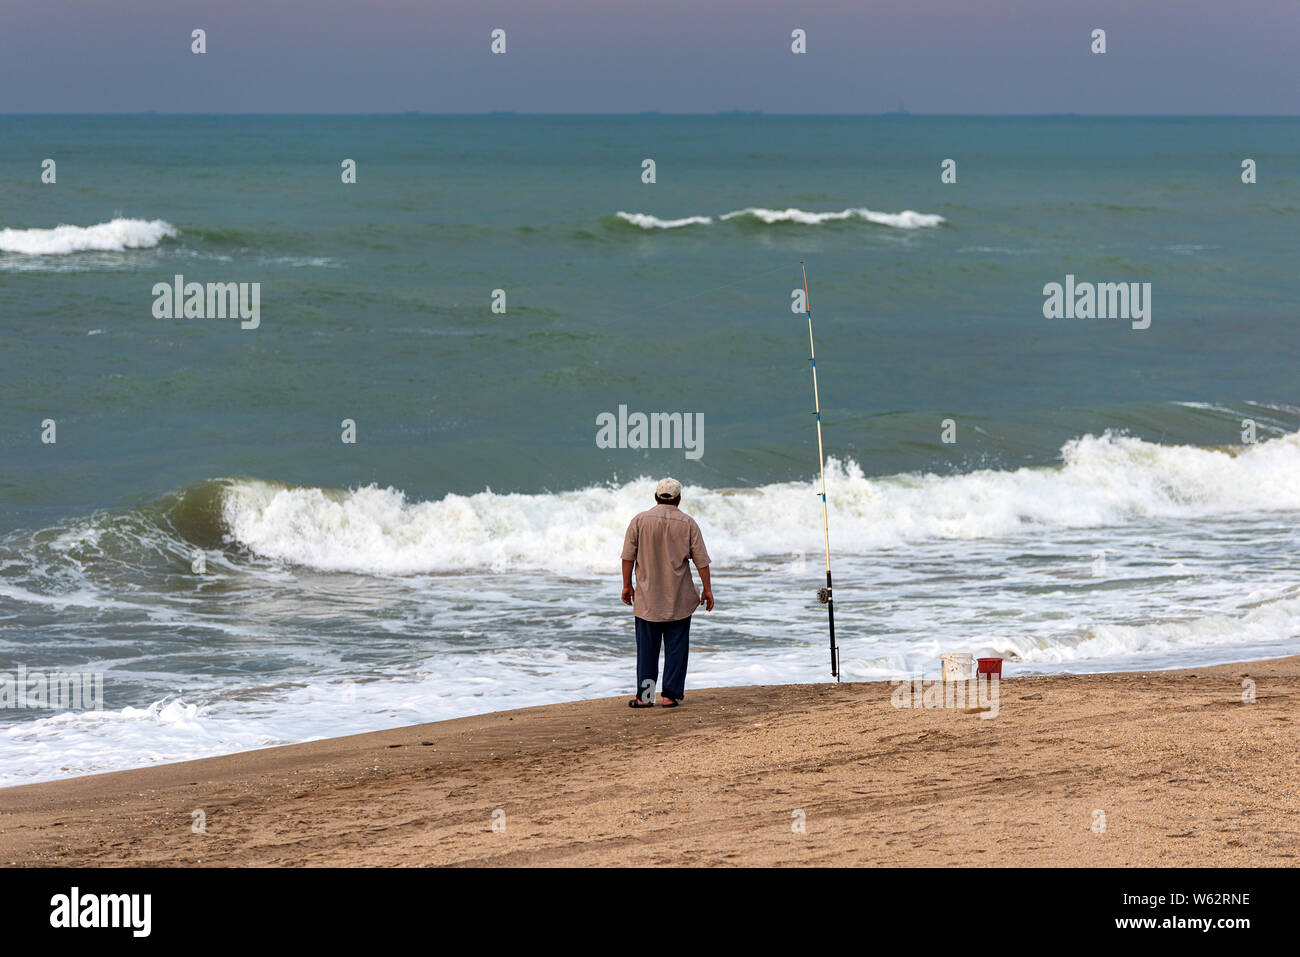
(114, 236)
(1104, 480)
(93, 741)
(907, 219)
(1269, 622)
(646, 221)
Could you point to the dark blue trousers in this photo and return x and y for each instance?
(675, 636)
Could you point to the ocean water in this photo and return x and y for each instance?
(1099, 509)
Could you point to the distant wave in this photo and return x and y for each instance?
(907, 219)
(646, 221)
(114, 236)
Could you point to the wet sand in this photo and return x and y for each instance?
(1166, 768)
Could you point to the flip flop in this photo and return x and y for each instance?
(668, 702)
(638, 703)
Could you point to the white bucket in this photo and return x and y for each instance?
(958, 667)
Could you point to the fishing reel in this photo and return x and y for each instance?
(824, 595)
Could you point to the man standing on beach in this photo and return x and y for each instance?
(659, 543)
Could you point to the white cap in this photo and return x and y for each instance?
(668, 489)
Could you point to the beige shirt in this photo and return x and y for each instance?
(660, 541)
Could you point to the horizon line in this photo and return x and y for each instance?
(735, 112)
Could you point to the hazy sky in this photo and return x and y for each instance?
(864, 56)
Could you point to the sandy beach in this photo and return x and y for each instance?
(1168, 768)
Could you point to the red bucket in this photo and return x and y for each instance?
(991, 667)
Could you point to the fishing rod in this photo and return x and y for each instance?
(823, 594)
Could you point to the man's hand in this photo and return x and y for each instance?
(706, 599)
(629, 593)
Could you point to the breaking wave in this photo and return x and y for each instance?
(1103, 480)
(907, 219)
(114, 236)
(646, 221)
